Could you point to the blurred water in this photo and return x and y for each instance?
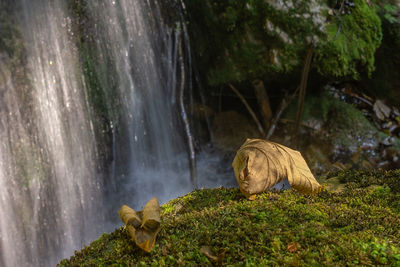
(52, 194)
(50, 188)
(144, 50)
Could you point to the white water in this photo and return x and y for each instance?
(145, 60)
(52, 194)
(50, 187)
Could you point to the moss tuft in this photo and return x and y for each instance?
(351, 42)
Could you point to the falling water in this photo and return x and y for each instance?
(108, 84)
(48, 175)
(145, 54)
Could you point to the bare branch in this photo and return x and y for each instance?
(253, 115)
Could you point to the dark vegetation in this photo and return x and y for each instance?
(237, 42)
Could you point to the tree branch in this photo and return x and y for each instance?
(303, 87)
(253, 115)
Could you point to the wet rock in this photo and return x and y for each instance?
(314, 124)
(381, 110)
(317, 158)
(391, 154)
(387, 125)
(388, 141)
(347, 136)
(368, 145)
(389, 158)
(396, 112)
(395, 130)
(384, 164)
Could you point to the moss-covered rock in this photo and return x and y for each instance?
(343, 125)
(385, 81)
(242, 40)
(351, 42)
(10, 37)
(357, 226)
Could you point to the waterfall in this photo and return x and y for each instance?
(89, 120)
(51, 182)
(50, 186)
(139, 51)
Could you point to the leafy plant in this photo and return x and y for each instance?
(391, 13)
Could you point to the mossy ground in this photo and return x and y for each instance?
(357, 226)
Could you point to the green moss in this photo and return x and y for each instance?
(241, 40)
(29, 164)
(10, 37)
(96, 93)
(351, 43)
(13, 55)
(358, 226)
(365, 178)
(99, 80)
(250, 39)
(385, 81)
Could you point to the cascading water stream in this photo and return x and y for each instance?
(50, 182)
(145, 57)
(114, 92)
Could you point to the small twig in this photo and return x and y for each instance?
(220, 100)
(253, 115)
(338, 15)
(338, 31)
(263, 102)
(303, 87)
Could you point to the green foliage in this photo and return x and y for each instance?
(378, 251)
(385, 81)
(242, 40)
(359, 226)
(351, 43)
(239, 40)
(390, 13)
